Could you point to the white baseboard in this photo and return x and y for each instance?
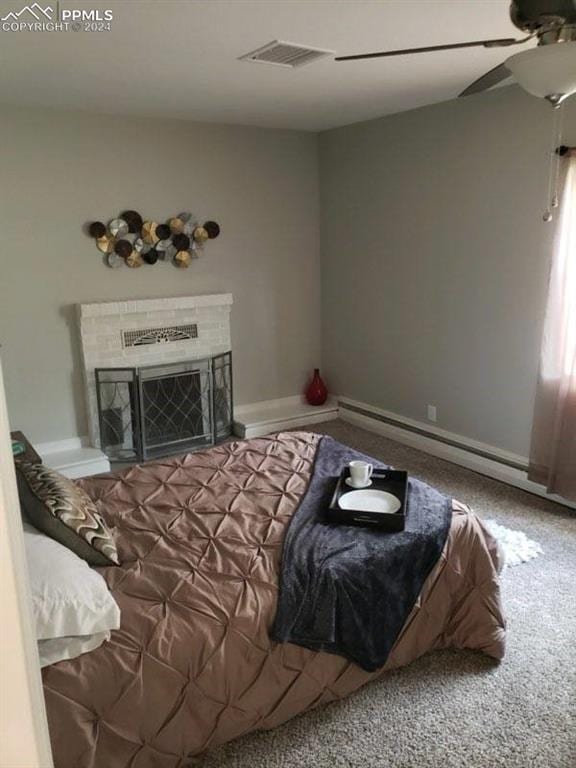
(83, 462)
(250, 408)
(258, 419)
(57, 446)
(472, 454)
(73, 457)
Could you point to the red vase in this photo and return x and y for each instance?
(316, 392)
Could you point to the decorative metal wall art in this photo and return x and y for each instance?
(132, 241)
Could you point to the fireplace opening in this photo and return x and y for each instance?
(158, 410)
(172, 409)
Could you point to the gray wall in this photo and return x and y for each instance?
(434, 254)
(435, 261)
(61, 169)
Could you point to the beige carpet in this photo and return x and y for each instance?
(452, 709)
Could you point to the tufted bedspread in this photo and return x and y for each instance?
(192, 666)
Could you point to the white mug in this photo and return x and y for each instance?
(360, 473)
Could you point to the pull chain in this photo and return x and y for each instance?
(552, 197)
(557, 158)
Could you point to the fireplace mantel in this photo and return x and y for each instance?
(106, 308)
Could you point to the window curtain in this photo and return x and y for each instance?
(553, 448)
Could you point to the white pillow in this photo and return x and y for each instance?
(68, 597)
(61, 648)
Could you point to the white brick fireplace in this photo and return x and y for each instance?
(148, 332)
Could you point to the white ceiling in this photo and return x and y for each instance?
(178, 58)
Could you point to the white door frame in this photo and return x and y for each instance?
(24, 738)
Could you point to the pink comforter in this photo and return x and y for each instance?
(192, 666)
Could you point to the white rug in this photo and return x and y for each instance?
(517, 547)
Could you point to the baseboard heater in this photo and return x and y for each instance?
(522, 466)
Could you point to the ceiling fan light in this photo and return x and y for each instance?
(548, 71)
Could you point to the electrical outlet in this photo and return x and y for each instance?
(431, 413)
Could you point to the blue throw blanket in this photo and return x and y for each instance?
(349, 590)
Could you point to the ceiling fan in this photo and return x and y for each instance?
(547, 71)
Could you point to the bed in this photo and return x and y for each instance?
(192, 665)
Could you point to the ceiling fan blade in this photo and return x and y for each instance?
(493, 77)
(502, 42)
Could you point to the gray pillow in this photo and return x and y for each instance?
(63, 511)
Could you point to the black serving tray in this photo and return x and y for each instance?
(393, 481)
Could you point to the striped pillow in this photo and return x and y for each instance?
(55, 505)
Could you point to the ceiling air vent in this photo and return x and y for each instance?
(286, 54)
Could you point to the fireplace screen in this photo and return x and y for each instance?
(157, 410)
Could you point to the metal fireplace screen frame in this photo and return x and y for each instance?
(157, 410)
